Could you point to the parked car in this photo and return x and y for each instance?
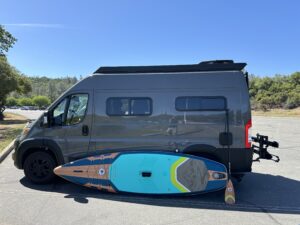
(183, 108)
(25, 107)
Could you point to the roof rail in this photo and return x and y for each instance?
(215, 65)
(225, 61)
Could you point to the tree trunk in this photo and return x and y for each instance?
(2, 108)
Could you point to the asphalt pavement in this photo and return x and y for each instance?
(269, 195)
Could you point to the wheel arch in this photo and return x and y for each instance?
(203, 150)
(33, 145)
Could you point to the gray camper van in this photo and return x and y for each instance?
(178, 108)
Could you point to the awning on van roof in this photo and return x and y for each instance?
(216, 65)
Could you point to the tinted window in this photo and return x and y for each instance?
(58, 115)
(77, 109)
(140, 106)
(117, 106)
(128, 106)
(194, 103)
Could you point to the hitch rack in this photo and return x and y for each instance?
(262, 148)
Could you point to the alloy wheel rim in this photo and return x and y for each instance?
(40, 168)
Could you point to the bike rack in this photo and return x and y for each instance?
(262, 148)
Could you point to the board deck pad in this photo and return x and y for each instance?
(146, 173)
(193, 175)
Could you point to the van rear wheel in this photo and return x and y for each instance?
(238, 177)
(38, 167)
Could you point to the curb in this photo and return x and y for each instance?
(7, 150)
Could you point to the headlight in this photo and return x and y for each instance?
(26, 129)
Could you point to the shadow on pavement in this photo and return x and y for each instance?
(256, 193)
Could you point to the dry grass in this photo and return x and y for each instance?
(10, 128)
(279, 112)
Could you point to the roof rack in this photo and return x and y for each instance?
(215, 65)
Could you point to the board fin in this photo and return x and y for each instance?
(229, 193)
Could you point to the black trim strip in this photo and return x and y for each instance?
(203, 66)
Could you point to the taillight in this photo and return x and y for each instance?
(248, 134)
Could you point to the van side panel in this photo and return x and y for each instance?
(130, 132)
(167, 128)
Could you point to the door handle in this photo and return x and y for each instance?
(85, 130)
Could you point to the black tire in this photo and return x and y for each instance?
(238, 177)
(38, 167)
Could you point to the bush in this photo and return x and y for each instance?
(11, 101)
(275, 92)
(41, 101)
(25, 102)
(293, 101)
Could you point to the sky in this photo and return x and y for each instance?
(71, 38)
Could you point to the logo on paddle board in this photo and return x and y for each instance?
(101, 171)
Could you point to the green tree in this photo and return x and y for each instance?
(6, 40)
(295, 78)
(11, 101)
(41, 101)
(52, 90)
(292, 101)
(25, 102)
(10, 80)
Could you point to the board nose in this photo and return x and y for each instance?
(58, 170)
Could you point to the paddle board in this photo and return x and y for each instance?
(146, 173)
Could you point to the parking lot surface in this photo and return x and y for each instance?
(30, 114)
(268, 195)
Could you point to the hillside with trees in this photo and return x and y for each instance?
(280, 91)
(49, 88)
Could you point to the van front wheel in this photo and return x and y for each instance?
(38, 167)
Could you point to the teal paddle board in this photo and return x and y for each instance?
(146, 173)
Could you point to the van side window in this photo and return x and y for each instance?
(58, 115)
(199, 103)
(117, 106)
(129, 106)
(140, 106)
(77, 109)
